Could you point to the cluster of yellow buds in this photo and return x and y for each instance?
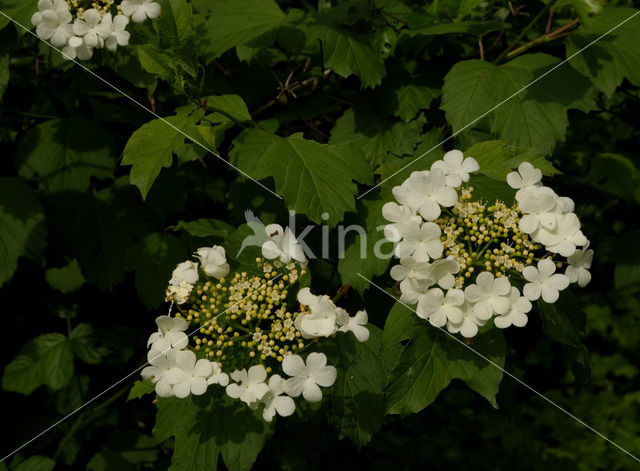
(486, 238)
(78, 7)
(245, 318)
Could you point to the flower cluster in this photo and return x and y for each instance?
(251, 331)
(80, 26)
(464, 261)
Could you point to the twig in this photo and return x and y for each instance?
(553, 35)
(481, 48)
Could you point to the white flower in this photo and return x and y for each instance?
(114, 29)
(517, 313)
(402, 191)
(355, 324)
(420, 242)
(442, 272)
(429, 192)
(579, 264)
(217, 376)
(410, 268)
(538, 205)
(53, 21)
(527, 176)
(488, 295)
(413, 288)
(469, 325)
(565, 237)
(89, 27)
(213, 261)
(195, 374)
(439, 308)
(185, 271)
(274, 401)
(306, 379)
(320, 321)
(543, 282)
(164, 371)
(178, 293)
(283, 245)
(399, 215)
(140, 10)
(455, 168)
(252, 387)
(170, 334)
(76, 48)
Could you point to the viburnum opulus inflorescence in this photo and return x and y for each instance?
(254, 333)
(464, 261)
(80, 26)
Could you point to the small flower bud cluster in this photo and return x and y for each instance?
(462, 261)
(249, 332)
(80, 26)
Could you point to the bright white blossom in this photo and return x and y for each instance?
(217, 376)
(140, 10)
(164, 371)
(565, 237)
(526, 177)
(579, 264)
(544, 281)
(307, 378)
(275, 401)
(422, 242)
(250, 385)
(53, 21)
(195, 374)
(282, 245)
(400, 216)
(90, 29)
(213, 261)
(185, 271)
(355, 324)
(170, 334)
(488, 295)
(517, 313)
(320, 319)
(456, 167)
(429, 193)
(438, 307)
(76, 48)
(470, 322)
(115, 31)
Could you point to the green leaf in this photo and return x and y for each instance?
(66, 154)
(44, 360)
(158, 255)
(413, 98)
(362, 254)
(356, 406)
(616, 175)
(614, 57)
(497, 159)
(4, 73)
(156, 62)
(235, 23)
(313, 178)
(205, 228)
(141, 388)
(432, 359)
(175, 26)
(471, 27)
(227, 108)
(35, 463)
(534, 118)
(83, 345)
(151, 147)
(20, 11)
(22, 229)
(66, 279)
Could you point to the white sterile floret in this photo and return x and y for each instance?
(170, 334)
(164, 371)
(456, 167)
(538, 205)
(275, 401)
(429, 192)
(399, 215)
(140, 10)
(178, 293)
(320, 319)
(488, 295)
(250, 385)
(76, 48)
(185, 271)
(217, 376)
(355, 324)
(115, 30)
(470, 322)
(579, 264)
(544, 281)
(213, 261)
(526, 177)
(282, 245)
(307, 378)
(564, 238)
(517, 313)
(443, 270)
(195, 374)
(438, 307)
(53, 21)
(93, 33)
(421, 242)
